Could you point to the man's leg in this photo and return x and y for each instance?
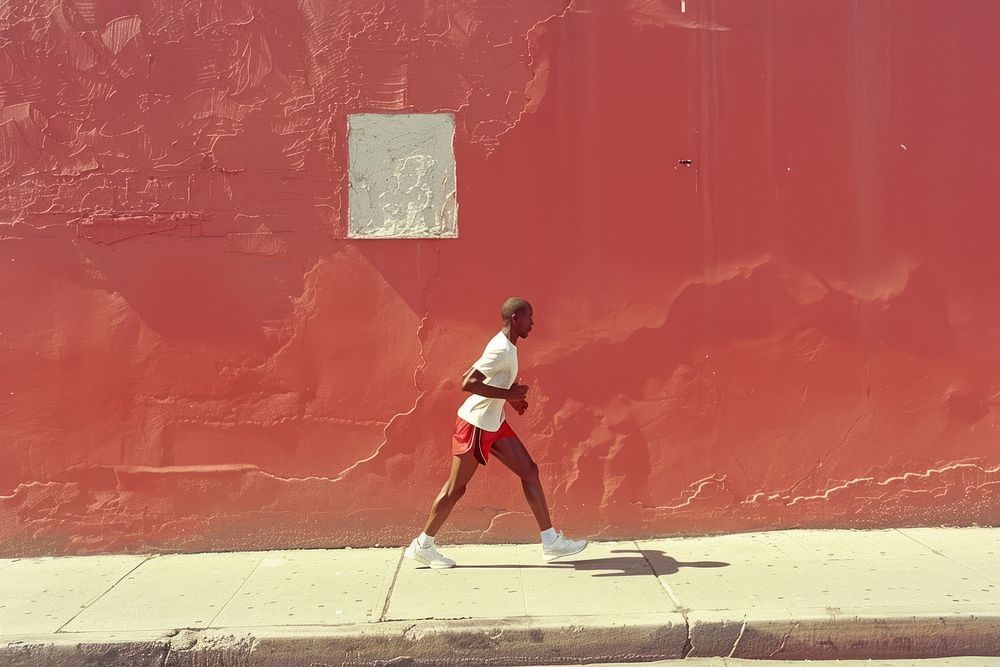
(422, 549)
(463, 467)
(511, 452)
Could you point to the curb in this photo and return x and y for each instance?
(833, 636)
(522, 641)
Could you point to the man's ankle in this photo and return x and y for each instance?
(549, 535)
(424, 540)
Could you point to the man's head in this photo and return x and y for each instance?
(517, 314)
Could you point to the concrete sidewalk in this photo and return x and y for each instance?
(911, 593)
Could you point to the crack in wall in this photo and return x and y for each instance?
(905, 477)
(695, 490)
(824, 456)
(892, 486)
(493, 521)
(536, 87)
(421, 339)
(279, 421)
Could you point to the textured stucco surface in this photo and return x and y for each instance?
(800, 328)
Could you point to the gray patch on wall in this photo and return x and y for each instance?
(401, 176)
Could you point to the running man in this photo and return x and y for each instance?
(482, 430)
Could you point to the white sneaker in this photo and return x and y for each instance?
(562, 546)
(428, 556)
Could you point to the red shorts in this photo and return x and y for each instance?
(479, 441)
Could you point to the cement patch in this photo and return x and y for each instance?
(402, 176)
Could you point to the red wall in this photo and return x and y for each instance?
(800, 329)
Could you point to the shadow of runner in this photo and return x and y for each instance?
(662, 564)
(621, 566)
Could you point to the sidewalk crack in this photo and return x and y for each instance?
(784, 640)
(110, 588)
(739, 637)
(943, 555)
(520, 578)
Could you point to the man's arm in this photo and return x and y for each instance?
(474, 382)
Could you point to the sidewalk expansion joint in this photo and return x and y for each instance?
(238, 589)
(109, 589)
(392, 585)
(688, 646)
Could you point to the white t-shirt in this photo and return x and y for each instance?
(499, 365)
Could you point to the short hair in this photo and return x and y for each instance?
(514, 304)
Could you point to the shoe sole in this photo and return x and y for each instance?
(412, 555)
(549, 559)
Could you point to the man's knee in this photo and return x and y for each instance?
(529, 471)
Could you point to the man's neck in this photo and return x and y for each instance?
(511, 336)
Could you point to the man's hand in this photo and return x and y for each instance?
(517, 392)
(520, 405)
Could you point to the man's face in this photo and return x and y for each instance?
(522, 321)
